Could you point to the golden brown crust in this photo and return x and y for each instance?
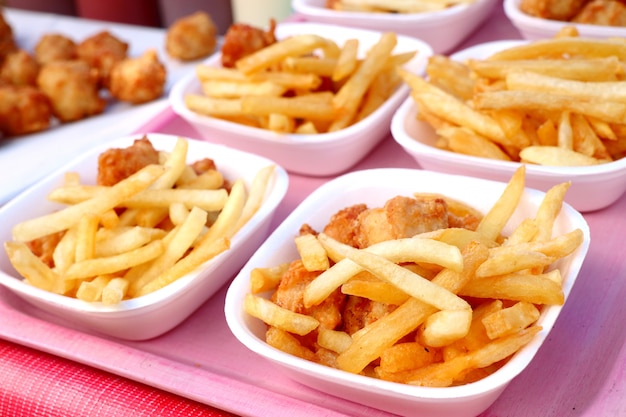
(191, 37)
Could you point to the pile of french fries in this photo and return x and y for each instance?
(466, 300)
(394, 6)
(555, 102)
(139, 235)
(305, 84)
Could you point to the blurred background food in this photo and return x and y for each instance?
(594, 12)
(156, 13)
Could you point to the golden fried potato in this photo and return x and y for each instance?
(191, 37)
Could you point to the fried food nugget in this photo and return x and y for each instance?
(191, 37)
(23, 109)
(72, 87)
(602, 12)
(7, 41)
(552, 9)
(242, 40)
(102, 51)
(138, 80)
(55, 47)
(115, 164)
(19, 68)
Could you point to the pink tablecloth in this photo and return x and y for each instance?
(580, 371)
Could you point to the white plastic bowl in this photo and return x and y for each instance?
(374, 187)
(593, 187)
(534, 28)
(153, 314)
(443, 30)
(316, 155)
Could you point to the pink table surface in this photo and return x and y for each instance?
(199, 368)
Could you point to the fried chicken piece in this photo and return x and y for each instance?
(102, 51)
(19, 68)
(138, 80)
(360, 312)
(7, 40)
(23, 109)
(602, 12)
(551, 9)
(72, 87)
(242, 40)
(116, 164)
(401, 217)
(191, 37)
(290, 293)
(203, 165)
(44, 247)
(343, 225)
(55, 47)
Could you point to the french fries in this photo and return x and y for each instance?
(449, 307)
(304, 84)
(137, 236)
(553, 102)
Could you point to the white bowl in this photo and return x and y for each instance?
(374, 187)
(443, 30)
(315, 155)
(533, 28)
(593, 187)
(156, 313)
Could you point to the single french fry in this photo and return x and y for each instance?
(272, 314)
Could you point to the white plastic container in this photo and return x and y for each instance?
(593, 187)
(316, 155)
(155, 313)
(443, 30)
(374, 187)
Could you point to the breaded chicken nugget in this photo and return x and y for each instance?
(242, 39)
(55, 47)
(72, 87)
(102, 51)
(19, 68)
(602, 12)
(551, 9)
(138, 80)
(191, 37)
(7, 41)
(23, 109)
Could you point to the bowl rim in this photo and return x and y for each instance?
(296, 140)
(172, 290)
(235, 316)
(307, 8)
(550, 27)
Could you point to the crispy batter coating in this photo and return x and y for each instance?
(360, 312)
(23, 109)
(116, 164)
(102, 51)
(552, 9)
(55, 47)
(343, 225)
(7, 41)
(72, 87)
(19, 68)
(191, 37)
(138, 80)
(400, 217)
(290, 293)
(242, 39)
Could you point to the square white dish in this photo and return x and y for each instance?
(374, 187)
(319, 154)
(533, 28)
(442, 30)
(48, 149)
(593, 187)
(155, 313)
